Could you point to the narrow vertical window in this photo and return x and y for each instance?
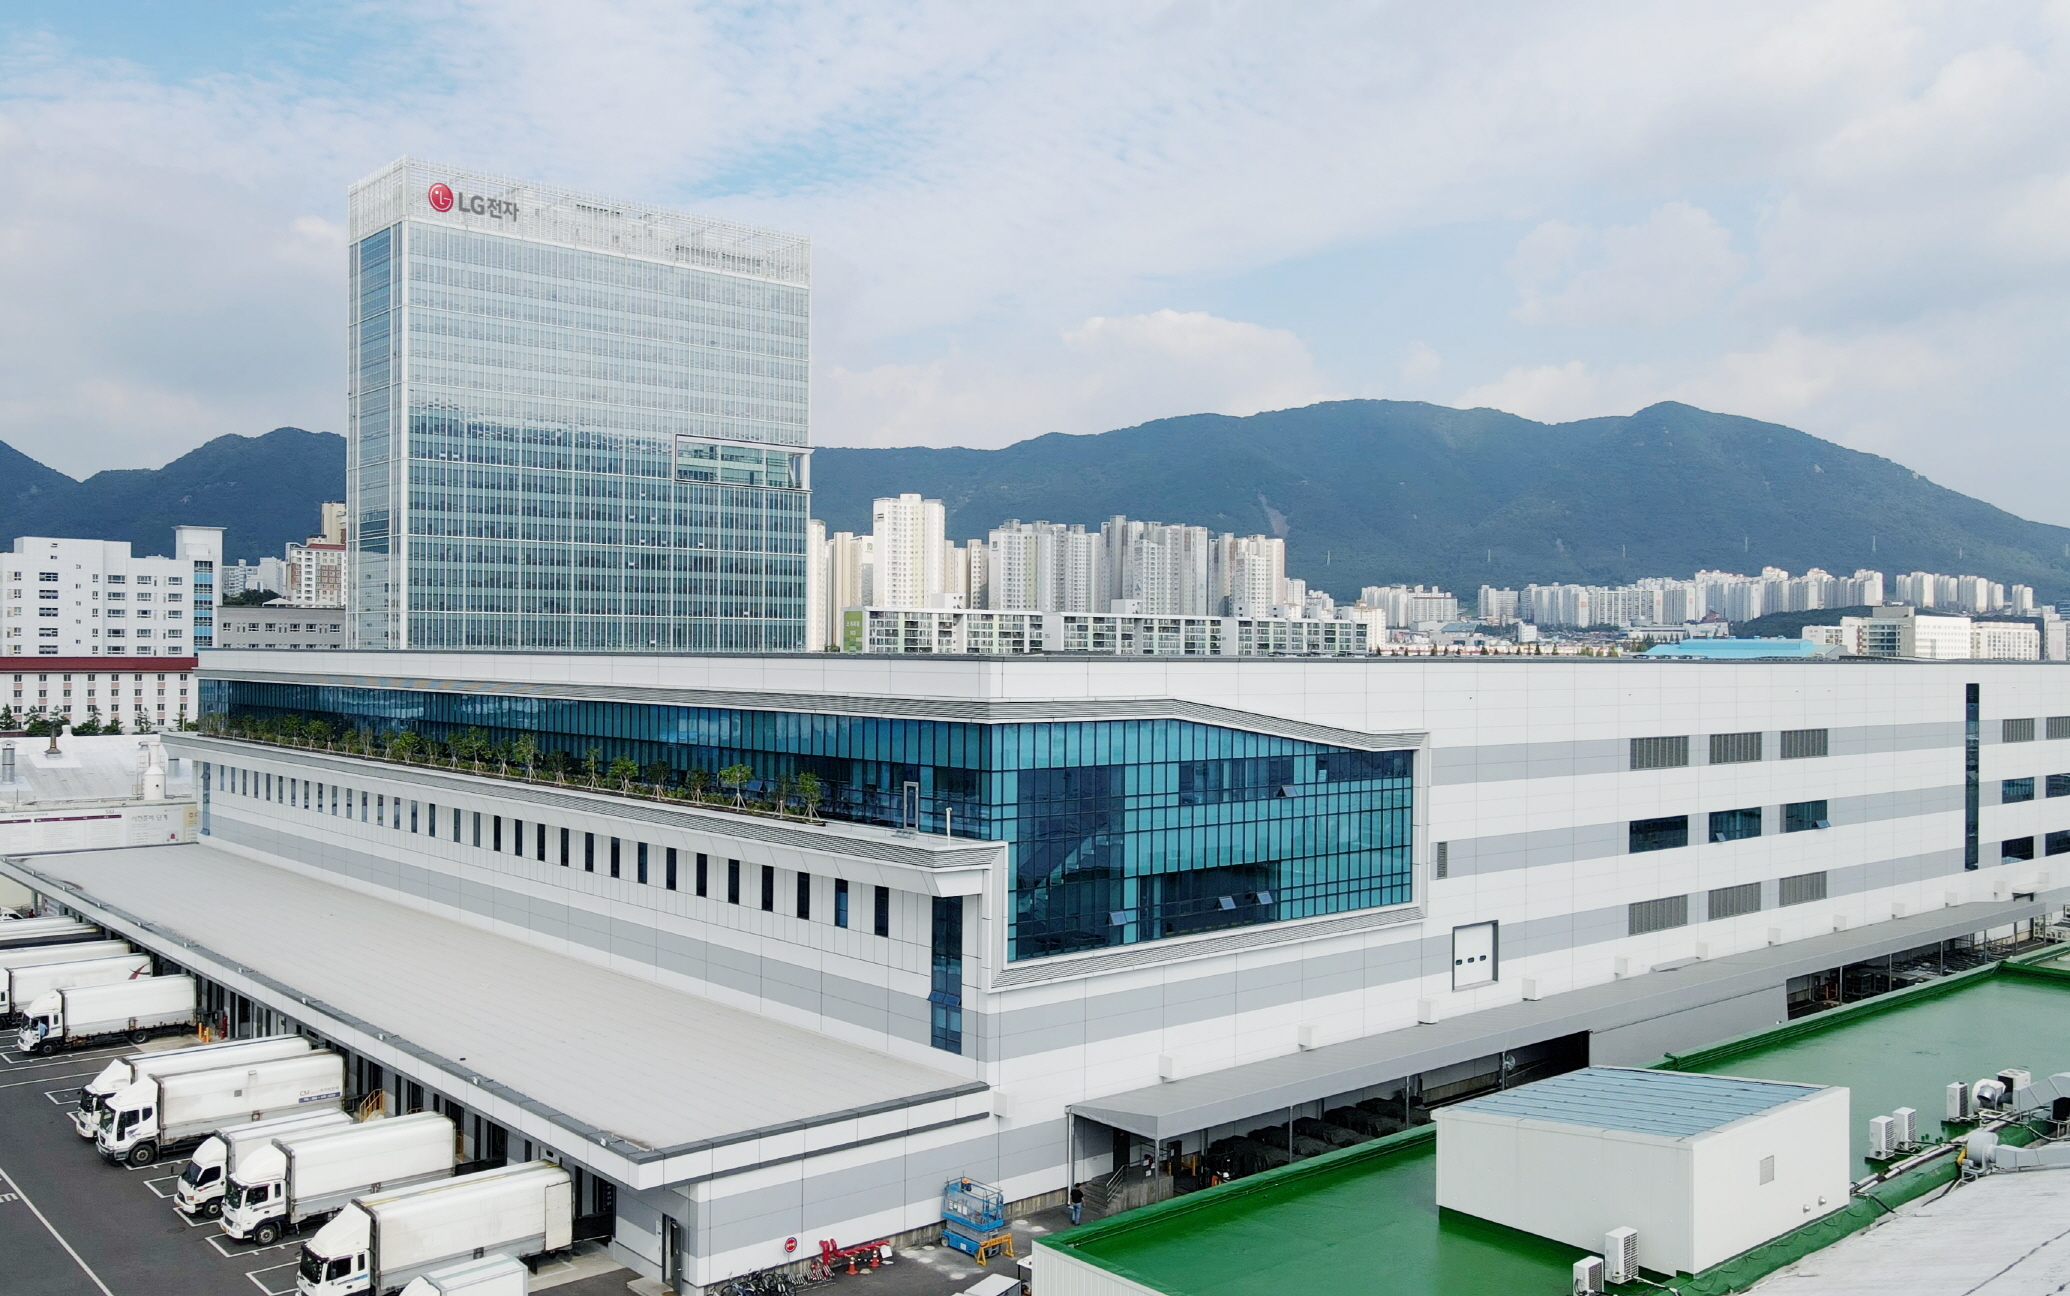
(541, 837)
(496, 834)
(840, 902)
(517, 837)
(702, 888)
(456, 823)
(883, 915)
(732, 881)
(945, 999)
(477, 828)
(640, 863)
(614, 857)
(669, 870)
(1972, 786)
(768, 888)
(805, 895)
(413, 816)
(589, 852)
(565, 834)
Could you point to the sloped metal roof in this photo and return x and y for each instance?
(1671, 1103)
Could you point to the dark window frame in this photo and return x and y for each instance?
(1733, 825)
(1806, 816)
(2013, 791)
(1668, 832)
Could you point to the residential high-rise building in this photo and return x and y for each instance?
(575, 423)
(93, 598)
(908, 531)
(1043, 567)
(316, 568)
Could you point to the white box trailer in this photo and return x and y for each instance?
(126, 1071)
(306, 1176)
(25, 985)
(135, 1010)
(379, 1244)
(174, 1113)
(199, 1192)
(495, 1276)
(66, 952)
(44, 931)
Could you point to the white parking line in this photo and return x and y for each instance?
(45, 1220)
(271, 1286)
(62, 1097)
(175, 1167)
(44, 1080)
(230, 1249)
(168, 1181)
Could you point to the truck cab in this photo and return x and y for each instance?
(199, 1192)
(129, 1125)
(42, 1028)
(334, 1262)
(255, 1212)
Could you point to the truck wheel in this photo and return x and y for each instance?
(143, 1154)
(139, 1037)
(214, 1209)
(266, 1234)
(46, 1048)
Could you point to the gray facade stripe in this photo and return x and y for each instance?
(1501, 852)
(960, 710)
(1149, 953)
(683, 817)
(1504, 762)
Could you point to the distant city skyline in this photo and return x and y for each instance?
(1847, 220)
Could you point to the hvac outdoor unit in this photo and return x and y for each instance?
(2014, 1079)
(1588, 1276)
(1621, 1255)
(1904, 1128)
(1958, 1101)
(1881, 1145)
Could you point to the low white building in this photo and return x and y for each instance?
(1004, 633)
(94, 598)
(283, 625)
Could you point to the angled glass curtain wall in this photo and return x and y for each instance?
(566, 450)
(1121, 831)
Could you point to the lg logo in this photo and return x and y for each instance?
(443, 199)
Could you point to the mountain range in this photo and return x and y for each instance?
(1364, 492)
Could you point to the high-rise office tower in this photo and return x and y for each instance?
(575, 423)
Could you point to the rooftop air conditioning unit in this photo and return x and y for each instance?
(1881, 1144)
(1904, 1128)
(1986, 1095)
(2014, 1079)
(1958, 1101)
(1588, 1276)
(1621, 1255)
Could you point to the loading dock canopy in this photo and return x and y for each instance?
(1193, 1103)
(661, 1069)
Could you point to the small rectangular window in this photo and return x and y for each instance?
(1735, 748)
(1659, 834)
(768, 889)
(1732, 901)
(733, 881)
(2016, 730)
(1801, 889)
(668, 864)
(2016, 850)
(805, 895)
(1657, 915)
(456, 823)
(496, 833)
(539, 838)
(841, 899)
(2056, 843)
(614, 857)
(413, 816)
(883, 914)
(1660, 753)
(1801, 744)
(1732, 825)
(640, 863)
(1444, 859)
(2058, 727)
(2058, 785)
(703, 883)
(1802, 816)
(517, 837)
(565, 834)
(2011, 791)
(589, 852)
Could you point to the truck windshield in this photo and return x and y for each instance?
(233, 1196)
(312, 1264)
(197, 1174)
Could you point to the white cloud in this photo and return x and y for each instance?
(1108, 372)
(1673, 266)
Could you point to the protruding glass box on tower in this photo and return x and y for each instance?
(576, 423)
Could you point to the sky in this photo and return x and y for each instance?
(1853, 218)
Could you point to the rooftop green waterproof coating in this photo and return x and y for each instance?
(1365, 1220)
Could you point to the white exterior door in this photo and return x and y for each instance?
(1473, 955)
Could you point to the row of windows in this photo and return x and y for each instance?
(1644, 916)
(1671, 831)
(2013, 731)
(1726, 749)
(2014, 790)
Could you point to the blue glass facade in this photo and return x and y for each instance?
(562, 449)
(1121, 831)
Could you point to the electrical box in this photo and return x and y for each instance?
(1701, 1167)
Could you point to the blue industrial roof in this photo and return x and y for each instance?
(1640, 1102)
(1728, 649)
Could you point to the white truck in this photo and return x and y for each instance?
(25, 985)
(199, 1192)
(174, 1113)
(68, 952)
(126, 1071)
(306, 1176)
(495, 1276)
(379, 1244)
(45, 931)
(135, 1010)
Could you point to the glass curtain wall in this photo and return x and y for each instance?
(563, 449)
(1122, 831)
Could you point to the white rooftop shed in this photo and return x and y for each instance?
(1703, 1166)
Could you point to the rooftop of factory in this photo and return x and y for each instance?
(1365, 1218)
(1673, 1104)
(101, 768)
(538, 1027)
